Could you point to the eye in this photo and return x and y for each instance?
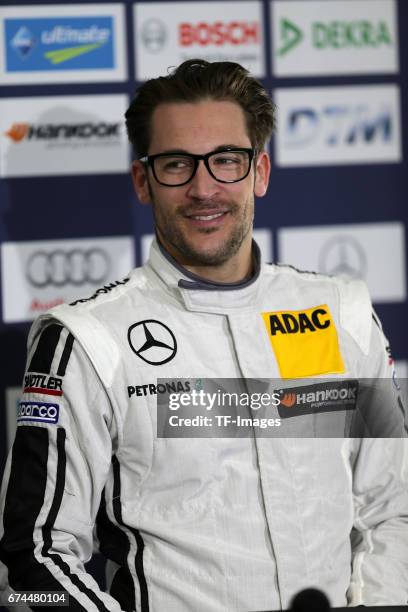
(228, 159)
(174, 164)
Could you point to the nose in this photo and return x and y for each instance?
(202, 186)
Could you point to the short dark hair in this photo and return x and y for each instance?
(195, 80)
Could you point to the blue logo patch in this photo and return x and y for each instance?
(37, 412)
(59, 44)
(23, 42)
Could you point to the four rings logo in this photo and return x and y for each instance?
(152, 341)
(61, 267)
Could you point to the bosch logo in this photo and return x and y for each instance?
(152, 341)
(43, 412)
(219, 33)
(74, 267)
(153, 35)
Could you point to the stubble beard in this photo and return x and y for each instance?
(168, 228)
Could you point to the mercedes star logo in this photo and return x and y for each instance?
(153, 35)
(343, 255)
(152, 341)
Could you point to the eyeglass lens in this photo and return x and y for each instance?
(227, 166)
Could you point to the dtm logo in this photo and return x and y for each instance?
(37, 412)
(338, 124)
(59, 43)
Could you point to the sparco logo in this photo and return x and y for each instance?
(323, 397)
(152, 341)
(153, 35)
(219, 33)
(43, 412)
(63, 131)
(75, 267)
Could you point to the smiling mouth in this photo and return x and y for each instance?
(207, 215)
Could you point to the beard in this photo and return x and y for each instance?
(171, 230)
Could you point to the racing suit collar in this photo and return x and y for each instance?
(199, 294)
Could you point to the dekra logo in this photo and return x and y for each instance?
(335, 35)
(298, 322)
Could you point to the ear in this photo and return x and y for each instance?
(140, 181)
(263, 170)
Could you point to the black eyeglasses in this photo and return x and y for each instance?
(175, 169)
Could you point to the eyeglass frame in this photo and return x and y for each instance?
(149, 160)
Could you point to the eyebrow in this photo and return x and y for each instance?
(185, 152)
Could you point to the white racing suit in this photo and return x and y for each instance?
(213, 523)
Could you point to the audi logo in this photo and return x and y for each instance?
(75, 267)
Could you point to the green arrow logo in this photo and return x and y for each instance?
(291, 36)
(63, 55)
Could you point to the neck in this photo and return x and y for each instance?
(239, 268)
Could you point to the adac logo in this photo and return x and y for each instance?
(304, 342)
(59, 43)
(152, 341)
(299, 322)
(336, 35)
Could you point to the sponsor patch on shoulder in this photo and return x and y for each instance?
(37, 412)
(305, 342)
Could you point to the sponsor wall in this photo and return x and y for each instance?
(69, 221)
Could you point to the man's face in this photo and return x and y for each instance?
(205, 222)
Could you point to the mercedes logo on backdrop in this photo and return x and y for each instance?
(152, 341)
(74, 267)
(153, 35)
(343, 255)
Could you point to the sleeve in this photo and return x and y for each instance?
(380, 487)
(56, 473)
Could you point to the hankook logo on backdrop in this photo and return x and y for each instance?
(152, 341)
(63, 131)
(76, 267)
(154, 35)
(343, 255)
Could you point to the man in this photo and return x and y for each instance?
(203, 524)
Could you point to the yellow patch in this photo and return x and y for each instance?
(305, 342)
